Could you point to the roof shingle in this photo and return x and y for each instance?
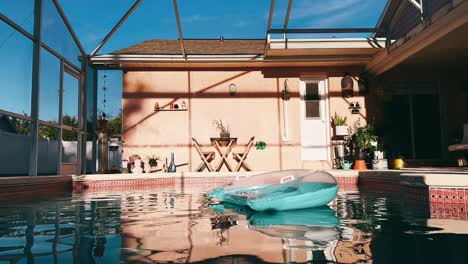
(196, 47)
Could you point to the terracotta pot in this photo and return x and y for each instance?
(103, 123)
(360, 165)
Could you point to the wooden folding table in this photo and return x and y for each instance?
(227, 144)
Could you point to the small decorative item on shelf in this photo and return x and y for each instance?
(152, 160)
(183, 105)
(223, 130)
(260, 145)
(156, 106)
(171, 106)
(172, 166)
(176, 106)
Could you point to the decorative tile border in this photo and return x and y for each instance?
(456, 211)
(191, 183)
(448, 195)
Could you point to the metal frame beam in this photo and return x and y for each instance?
(31, 37)
(117, 26)
(69, 27)
(326, 30)
(35, 92)
(270, 16)
(16, 26)
(270, 20)
(179, 28)
(417, 5)
(286, 19)
(60, 122)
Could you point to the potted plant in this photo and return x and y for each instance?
(152, 160)
(223, 130)
(341, 129)
(260, 145)
(365, 141)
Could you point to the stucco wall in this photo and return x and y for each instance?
(255, 110)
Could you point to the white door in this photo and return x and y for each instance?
(314, 119)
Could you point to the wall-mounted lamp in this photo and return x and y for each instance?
(347, 85)
(363, 83)
(355, 107)
(232, 89)
(286, 93)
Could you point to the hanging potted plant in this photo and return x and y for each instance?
(365, 141)
(102, 121)
(223, 130)
(260, 145)
(341, 129)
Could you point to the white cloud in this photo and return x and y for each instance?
(196, 18)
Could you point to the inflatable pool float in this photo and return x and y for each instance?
(280, 191)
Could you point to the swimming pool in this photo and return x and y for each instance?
(161, 225)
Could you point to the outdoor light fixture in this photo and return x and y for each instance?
(286, 94)
(363, 83)
(347, 86)
(232, 89)
(355, 107)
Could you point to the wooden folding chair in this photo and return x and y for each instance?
(241, 157)
(206, 157)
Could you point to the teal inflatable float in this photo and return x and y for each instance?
(280, 191)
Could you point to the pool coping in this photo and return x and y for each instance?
(409, 177)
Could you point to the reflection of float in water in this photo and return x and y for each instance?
(319, 225)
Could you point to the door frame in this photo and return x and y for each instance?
(325, 97)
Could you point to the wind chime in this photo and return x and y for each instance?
(102, 120)
(104, 99)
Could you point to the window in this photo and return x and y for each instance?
(70, 100)
(50, 88)
(312, 100)
(55, 33)
(19, 11)
(16, 76)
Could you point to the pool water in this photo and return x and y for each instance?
(161, 226)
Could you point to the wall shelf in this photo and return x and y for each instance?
(158, 110)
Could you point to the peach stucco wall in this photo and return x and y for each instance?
(255, 110)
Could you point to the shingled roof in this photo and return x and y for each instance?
(196, 47)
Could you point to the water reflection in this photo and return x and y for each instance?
(165, 226)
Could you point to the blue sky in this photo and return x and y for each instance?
(154, 19)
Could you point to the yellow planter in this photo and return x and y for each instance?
(398, 164)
